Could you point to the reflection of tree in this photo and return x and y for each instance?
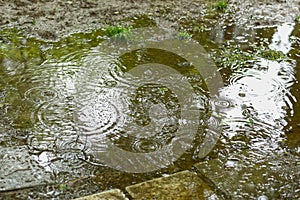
(273, 40)
(293, 125)
(17, 55)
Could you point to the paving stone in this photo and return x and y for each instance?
(239, 179)
(114, 194)
(20, 170)
(179, 186)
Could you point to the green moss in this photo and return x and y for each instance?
(15, 46)
(297, 19)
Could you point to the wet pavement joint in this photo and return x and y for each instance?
(114, 194)
(178, 186)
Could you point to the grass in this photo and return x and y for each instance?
(220, 5)
(183, 35)
(201, 29)
(235, 58)
(297, 19)
(62, 187)
(270, 54)
(119, 32)
(162, 90)
(232, 57)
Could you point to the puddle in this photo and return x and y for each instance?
(91, 113)
(135, 106)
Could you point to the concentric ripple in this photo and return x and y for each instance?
(133, 106)
(97, 117)
(139, 108)
(41, 94)
(156, 112)
(140, 124)
(54, 116)
(267, 91)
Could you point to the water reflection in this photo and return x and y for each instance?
(156, 102)
(293, 127)
(254, 134)
(281, 39)
(264, 90)
(135, 107)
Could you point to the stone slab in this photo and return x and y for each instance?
(18, 169)
(178, 186)
(114, 194)
(240, 179)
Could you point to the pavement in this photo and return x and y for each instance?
(182, 185)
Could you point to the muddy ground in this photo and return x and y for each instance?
(52, 19)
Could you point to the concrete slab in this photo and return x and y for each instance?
(114, 194)
(182, 185)
(19, 169)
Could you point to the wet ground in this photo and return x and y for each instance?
(69, 90)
